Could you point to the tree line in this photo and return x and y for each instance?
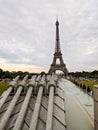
(13, 74)
(93, 74)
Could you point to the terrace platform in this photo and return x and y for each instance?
(34, 105)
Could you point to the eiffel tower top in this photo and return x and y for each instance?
(57, 45)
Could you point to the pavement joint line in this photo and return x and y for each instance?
(42, 120)
(59, 88)
(14, 114)
(61, 97)
(30, 108)
(59, 107)
(19, 102)
(7, 101)
(3, 111)
(26, 123)
(10, 127)
(44, 107)
(60, 121)
(83, 110)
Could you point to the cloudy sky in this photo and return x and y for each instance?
(27, 34)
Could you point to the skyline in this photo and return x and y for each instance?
(27, 34)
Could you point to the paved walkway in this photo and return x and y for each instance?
(79, 107)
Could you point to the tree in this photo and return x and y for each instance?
(1, 72)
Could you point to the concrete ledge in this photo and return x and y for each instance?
(95, 91)
(95, 96)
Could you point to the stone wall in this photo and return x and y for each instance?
(96, 106)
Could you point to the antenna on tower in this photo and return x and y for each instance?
(57, 18)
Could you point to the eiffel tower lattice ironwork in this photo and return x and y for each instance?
(58, 55)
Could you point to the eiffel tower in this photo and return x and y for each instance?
(58, 55)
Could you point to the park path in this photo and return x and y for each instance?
(79, 107)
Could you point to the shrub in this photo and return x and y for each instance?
(84, 87)
(80, 85)
(88, 89)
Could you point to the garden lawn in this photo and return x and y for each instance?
(88, 83)
(3, 87)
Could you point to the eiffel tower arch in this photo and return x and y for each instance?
(58, 55)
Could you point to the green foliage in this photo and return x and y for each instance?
(87, 83)
(3, 87)
(93, 74)
(13, 74)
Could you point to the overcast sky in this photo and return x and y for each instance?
(27, 34)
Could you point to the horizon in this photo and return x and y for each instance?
(45, 71)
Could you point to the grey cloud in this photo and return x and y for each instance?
(27, 31)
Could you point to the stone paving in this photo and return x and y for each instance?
(33, 104)
(79, 107)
